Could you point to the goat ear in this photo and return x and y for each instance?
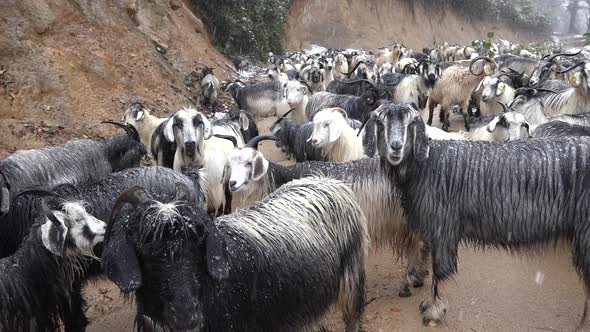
(421, 148)
(53, 234)
(259, 166)
(139, 115)
(207, 130)
(216, 251)
(120, 263)
(492, 125)
(169, 130)
(500, 89)
(341, 111)
(244, 121)
(438, 71)
(479, 86)
(4, 196)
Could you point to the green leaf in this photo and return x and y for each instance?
(487, 44)
(491, 34)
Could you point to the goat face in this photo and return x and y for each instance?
(327, 126)
(156, 250)
(509, 127)
(70, 229)
(492, 88)
(246, 165)
(542, 73)
(134, 114)
(400, 133)
(294, 92)
(188, 128)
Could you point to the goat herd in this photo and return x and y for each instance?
(369, 173)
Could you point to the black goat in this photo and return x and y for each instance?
(76, 161)
(277, 266)
(522, 194)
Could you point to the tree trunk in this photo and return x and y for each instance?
(573, 9)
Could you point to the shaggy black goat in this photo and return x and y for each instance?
(37, 289)
(253, 177)
(560, 129)
(100, 195)
(522, 194)
(277, 266)
(357, 108)
(292, 137)
(246, 121)
(76, 161)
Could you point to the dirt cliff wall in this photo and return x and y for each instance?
(376, 23)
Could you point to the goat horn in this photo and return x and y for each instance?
(353, 69)
(551, 58)
(503, 107)
(129, 129)
(229, 138)
(47, 205)
(487, 59)
(307, 85)
(134, 196)
(282, 117)
(546, 90)
(253, 143)
(582, 63)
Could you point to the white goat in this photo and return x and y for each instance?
(334, 136)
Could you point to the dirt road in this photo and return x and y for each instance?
(493, 291)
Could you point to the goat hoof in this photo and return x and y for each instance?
(433, 313)
(430, 322)
(405, 291)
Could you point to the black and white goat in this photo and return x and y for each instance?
(37, 282)
(209, 88)
(197, 145)
(357, 108)
(506, 185)
(276, 266)
(76, 161)
(271, 98)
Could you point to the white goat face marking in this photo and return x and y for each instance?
(509, 126)
(294, 92)
(489, 88)
(327, 127)
(86, 231)
(83, 230)
(240, 162)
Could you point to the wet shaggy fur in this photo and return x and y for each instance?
(293, 137)
(522, 194)
(357, 108)
(76, 161)
(554, 129)
(36, 289)
(100, 195)
(251, 270)
(374, 192)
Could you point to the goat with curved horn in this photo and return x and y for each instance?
(253, 143)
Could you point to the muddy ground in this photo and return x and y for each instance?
(493, 291)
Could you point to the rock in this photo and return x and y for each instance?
(160, 46)
(39, 14)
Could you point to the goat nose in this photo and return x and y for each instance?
(232, 184)
(314, 141)
(396, 145)
(190, 148)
